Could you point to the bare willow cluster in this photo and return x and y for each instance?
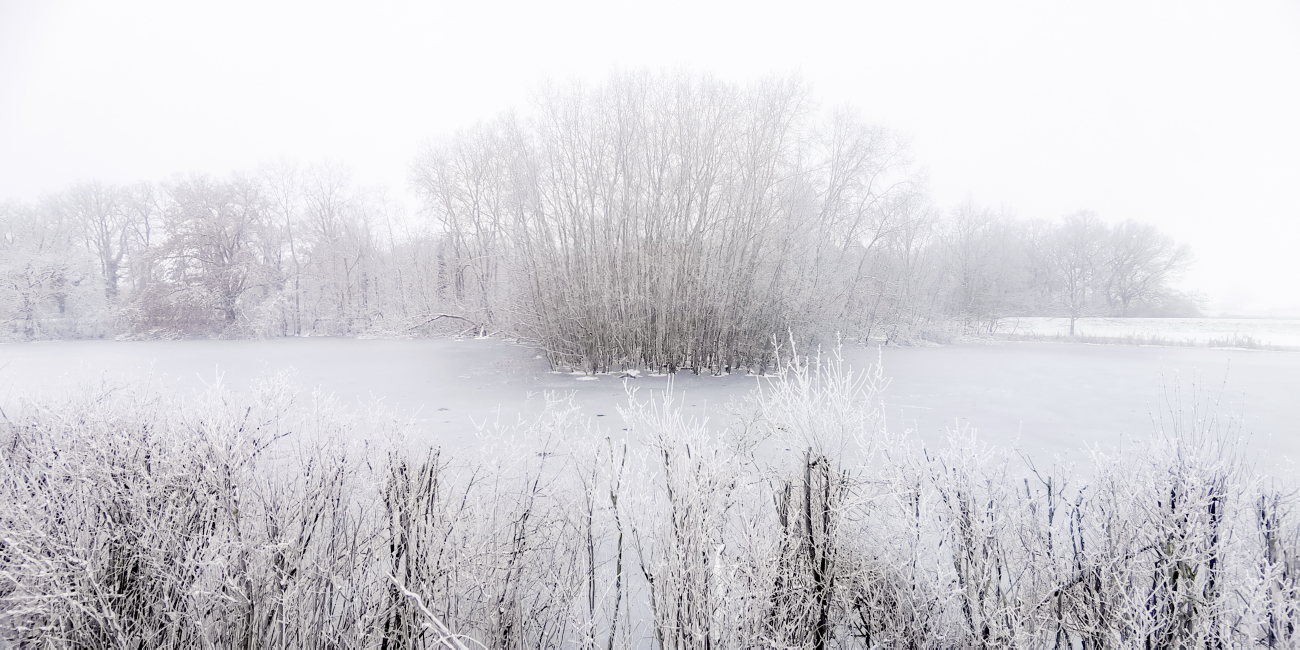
(277, 520)
(669, 222)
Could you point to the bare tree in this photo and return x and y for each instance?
(100, 213)
(1142, 263)
(284, 193)
(978, 251)
(1078, 258)
(49, 286)
(219, 260)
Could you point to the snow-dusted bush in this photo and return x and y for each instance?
(277, 520)
(130, 519)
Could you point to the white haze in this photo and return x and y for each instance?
(1177, 114)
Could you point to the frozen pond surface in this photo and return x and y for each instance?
(1056, 398)
(1047, 398)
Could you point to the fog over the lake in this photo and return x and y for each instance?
(1179, 115)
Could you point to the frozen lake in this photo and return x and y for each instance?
(1047, 398)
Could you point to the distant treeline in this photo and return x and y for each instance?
(666, 221)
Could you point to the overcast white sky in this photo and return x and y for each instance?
(1184, 115)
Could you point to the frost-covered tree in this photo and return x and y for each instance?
(1078, 257)
(49, 287)
(218, 260)
(100, 215)
(1142, 262)
(474, 199)
(981, 252)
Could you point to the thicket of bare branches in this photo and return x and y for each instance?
(671, 222)
(275, 519)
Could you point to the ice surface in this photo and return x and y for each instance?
(447, 386)
(1047, 398)
(1057, 398)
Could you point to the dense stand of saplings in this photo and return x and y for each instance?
(663, 221)
(276, 520)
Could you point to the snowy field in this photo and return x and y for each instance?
(1216, 332)
(1048, 399)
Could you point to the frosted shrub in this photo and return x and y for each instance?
(499, 539)
(679, 529)
(973, 489)
(1275, 603)
(824, 428)
(1165, 527)
(130, 519)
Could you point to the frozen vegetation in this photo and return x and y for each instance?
(273, 518)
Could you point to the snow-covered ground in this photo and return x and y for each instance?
(1201, 331)
(1047, 398)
